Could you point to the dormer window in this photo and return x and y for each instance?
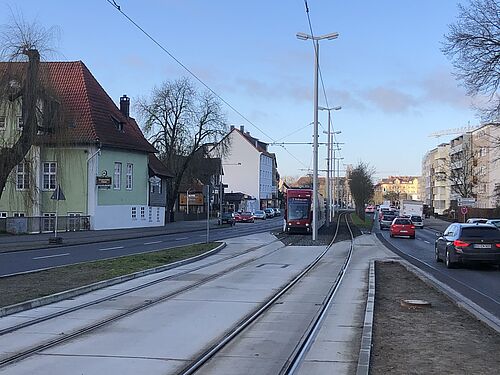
(20, 122)
(119, 125)
(2, 122)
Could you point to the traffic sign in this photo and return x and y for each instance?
(464, 210)
(468, 202)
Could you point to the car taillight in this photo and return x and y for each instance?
(458, 243)
(412, 226)
(497, 245)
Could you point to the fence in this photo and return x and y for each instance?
(44, 224)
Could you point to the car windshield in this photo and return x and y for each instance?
(259, 212)
(246, 213)
(481, 232)
(416, 218)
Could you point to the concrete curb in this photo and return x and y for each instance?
(42, 301)
(366, 336)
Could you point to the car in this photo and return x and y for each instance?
(464, 243)
(277, 211)
(495, 222)
(386, 219)
(417, 221)
(259, 214)
(370, 209)
(402, 226)
(269, 212)
(227, 218)
(477, 220)
(245, 217)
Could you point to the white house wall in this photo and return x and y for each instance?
(120, 216)
(242, 178)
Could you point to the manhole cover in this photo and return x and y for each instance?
(415, 303)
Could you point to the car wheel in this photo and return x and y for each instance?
(391, 235)
(447, 261)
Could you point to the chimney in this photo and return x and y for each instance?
(125, 105)
(232, 127)
(242, 129)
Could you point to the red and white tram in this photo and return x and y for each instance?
(299, 211)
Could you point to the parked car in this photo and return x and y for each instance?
(269, 212)
(277, 211)
(417, 221)
(245, 217)
(227, 218)
(462, 243)
(477, 220)
(386, 219)
(402, 226)
(259, 214)
(495, 222)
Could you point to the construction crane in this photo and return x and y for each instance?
(462, 130)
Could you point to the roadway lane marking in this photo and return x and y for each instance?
(427, 242)
(180, 238)
(51, 256)
(152, 242)
(111, 248)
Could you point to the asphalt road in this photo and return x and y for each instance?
(479, 283)
(32, 260)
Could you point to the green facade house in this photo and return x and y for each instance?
(102, 167)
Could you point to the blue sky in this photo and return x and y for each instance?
(386, 69)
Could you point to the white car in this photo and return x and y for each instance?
(477, 220)
(417, 221)
(495, 222)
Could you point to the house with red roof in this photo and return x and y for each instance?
(101, 161)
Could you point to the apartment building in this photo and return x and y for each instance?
(435, 183)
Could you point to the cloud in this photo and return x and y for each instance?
(441, 87)
(390, 100)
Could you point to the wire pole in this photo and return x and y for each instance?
(315, 146)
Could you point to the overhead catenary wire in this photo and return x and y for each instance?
(149, 36)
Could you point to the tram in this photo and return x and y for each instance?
(298, 215)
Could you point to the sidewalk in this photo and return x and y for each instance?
(435, 224)
(10, 242)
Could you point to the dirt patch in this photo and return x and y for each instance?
(442, 339)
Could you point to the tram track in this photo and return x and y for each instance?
(66, 336)
(297, 355)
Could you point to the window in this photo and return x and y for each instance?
(143, 213)
(2, 122)
(134, 213)
(18, 214)
(150, 214)
(74, 221)
(117, 176)
(3, 215)
(157, 215)
(48, 221)
(20, 122)
(130, 174)
(49, 175)
(22, 177)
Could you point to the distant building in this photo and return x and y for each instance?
(400, 187)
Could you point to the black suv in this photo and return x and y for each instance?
(227, 218)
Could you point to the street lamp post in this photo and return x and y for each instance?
(328, 158)
(221, 189)
(316, 39)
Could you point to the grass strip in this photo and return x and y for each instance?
(366, 224)
(21, 288)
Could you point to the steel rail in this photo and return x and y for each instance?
(67, 336)
(253, 316)
(297, 358)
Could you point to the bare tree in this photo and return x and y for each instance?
(361, 186)
(473, 44)
(462, 174)
(179, 121)
(23, 91)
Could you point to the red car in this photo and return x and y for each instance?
(244, 217)
(402, 226)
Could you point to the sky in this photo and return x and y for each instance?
(386, 68)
